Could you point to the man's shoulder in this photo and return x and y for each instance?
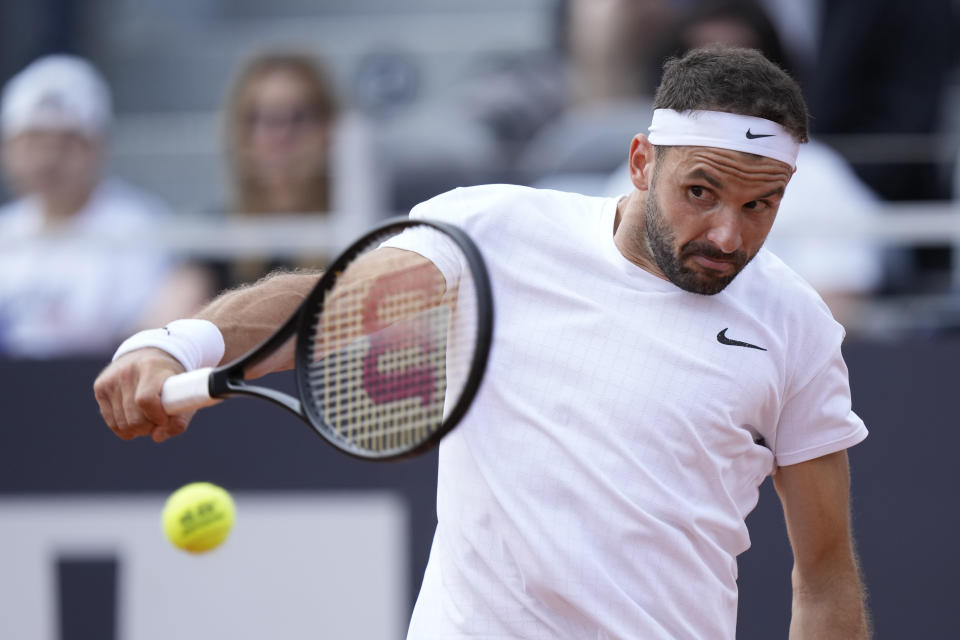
(768, 281)
(469, 205)
(494, 193)
(773, 267)
(791, 311)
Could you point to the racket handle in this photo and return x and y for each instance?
(187, 391)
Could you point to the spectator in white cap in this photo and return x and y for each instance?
(55, 117)
(69, 286)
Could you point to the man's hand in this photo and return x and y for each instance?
(128, 392)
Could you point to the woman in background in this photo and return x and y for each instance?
(280, 116)
(291, 149)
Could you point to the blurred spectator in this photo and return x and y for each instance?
(799, 29)
(291, 150)
(884, 70)
(70, 285)
(561, 111)
(739, 22)
(607, 46)
(824, 192)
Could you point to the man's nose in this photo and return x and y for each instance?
(725, 232)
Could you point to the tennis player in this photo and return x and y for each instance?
(652, 364)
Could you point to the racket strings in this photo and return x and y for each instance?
(393, 343)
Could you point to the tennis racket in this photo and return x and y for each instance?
(390, 348)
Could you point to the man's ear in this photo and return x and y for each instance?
(641, 162)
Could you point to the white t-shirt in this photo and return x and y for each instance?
(74, 289)
(598, 486)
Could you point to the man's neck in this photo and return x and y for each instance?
(629, 233)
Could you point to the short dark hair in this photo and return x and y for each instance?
(735, 80)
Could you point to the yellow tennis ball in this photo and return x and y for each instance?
(198, 516)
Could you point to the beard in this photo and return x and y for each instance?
(661, 243)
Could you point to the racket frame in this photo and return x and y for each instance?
(228, 380)
(484, 335)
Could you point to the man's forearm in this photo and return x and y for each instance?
(248, 315)
(832, 608)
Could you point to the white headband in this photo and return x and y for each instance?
(725, 131)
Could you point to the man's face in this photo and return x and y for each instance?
(708, 212)
(53, 165)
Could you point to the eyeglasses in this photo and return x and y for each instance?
(293, 118)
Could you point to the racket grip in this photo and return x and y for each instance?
(187, 391)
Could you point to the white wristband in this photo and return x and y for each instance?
(195, 343)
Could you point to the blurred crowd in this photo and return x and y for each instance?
(298, 140)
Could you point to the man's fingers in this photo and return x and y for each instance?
(110, 400)
(147, 400)
(175, 426)
(178, 424)
(137, 423)
(118, 426)
(105, 404)
(128, 392)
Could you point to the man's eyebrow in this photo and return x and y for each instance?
(717, 184)
(703, 175)
(779, 191)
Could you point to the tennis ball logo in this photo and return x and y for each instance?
(198, 517)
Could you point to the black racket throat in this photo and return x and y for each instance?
(226, 386)
(229, 379)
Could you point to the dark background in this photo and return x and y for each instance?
(904, 478)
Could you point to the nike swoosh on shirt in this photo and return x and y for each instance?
(723, 339)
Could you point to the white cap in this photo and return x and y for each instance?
(57, 92)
